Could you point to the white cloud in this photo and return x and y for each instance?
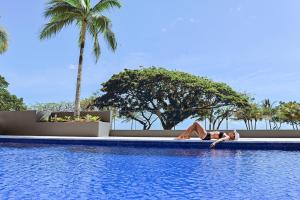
(235, 9)
(178, 20)
(192, 20)
(72, 67)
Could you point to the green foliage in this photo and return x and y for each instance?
(53, 107)
(86, 118)
(172, 96)
(64, 106)
(92, 118)
(87, 103)
(271, 115)
(3, 41)
(62, 13)
(274, 115)
(289, 113)
(9, 102)
(250, 114)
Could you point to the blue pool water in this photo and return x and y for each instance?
(93, 172)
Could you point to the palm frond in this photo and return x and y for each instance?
(72, 3)
(83, 4)
(103, 24)
(106, 4)
(55, 26)
(88, 4)
(3, 41)
(65, 12)
(96, 46)
(100, 22)
(110, 39)
(61, 9)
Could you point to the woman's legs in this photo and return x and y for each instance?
(201, 132)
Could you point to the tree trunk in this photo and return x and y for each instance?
(279, 126)
(249, 126)
(79, 72)
(214, 124)
(210, 120)
(114, 120)
(227, 123)
(220, 123)
(246, 124)
(293, 126)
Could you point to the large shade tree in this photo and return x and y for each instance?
(89, 20)
(3, 41)
(223, 105)
(172, 96)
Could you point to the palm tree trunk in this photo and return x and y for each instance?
(226, 123)
(79, 72)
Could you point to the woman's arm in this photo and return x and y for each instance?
(213, 145)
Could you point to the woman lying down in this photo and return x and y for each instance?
(204, 135)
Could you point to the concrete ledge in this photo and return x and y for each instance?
(243, 144)
(24, 123)
(175, 133)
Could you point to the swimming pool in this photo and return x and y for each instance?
(46, 171)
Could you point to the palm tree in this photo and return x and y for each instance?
(3, 41)
(88, 19)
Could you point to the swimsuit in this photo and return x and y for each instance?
(208, 136)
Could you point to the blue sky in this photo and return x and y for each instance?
(252, 45)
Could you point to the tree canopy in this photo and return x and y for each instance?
(289, 113)
(250, 114)
(274, 114)
(9, 102)
(172, 96)
(3, 40)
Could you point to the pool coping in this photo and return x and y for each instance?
(243, 143)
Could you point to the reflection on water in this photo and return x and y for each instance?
(139, 151)
(119, 150)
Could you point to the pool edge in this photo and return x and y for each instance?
(280, 144)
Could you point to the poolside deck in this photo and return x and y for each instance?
(158, 139)
(161, 142)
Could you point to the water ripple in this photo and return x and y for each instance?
(83, 172)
